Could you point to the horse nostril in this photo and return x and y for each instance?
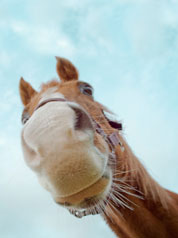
(78, 119)
(82, 120)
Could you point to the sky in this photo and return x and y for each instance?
(128, 51)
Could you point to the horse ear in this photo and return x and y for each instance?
(66, 70)
(26, 91)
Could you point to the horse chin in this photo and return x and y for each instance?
(89, 197)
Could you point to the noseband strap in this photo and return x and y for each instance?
(50, 100)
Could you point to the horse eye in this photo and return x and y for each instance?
(86, 89)
(25, 117)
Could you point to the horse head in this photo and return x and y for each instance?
(69, 142)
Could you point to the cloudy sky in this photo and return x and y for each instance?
(128, 51)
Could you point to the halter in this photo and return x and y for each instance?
(112, 140)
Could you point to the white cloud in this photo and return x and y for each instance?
(147, 27)
(5, 59)
(44, 39)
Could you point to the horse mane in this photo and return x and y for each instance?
(134, 171)
(138, 177)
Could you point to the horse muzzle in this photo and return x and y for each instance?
(58, 144)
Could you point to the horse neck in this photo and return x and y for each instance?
(151, 211)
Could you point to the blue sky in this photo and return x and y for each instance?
(128, 51)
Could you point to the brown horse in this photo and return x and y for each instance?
(81, 157)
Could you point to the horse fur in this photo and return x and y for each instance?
(130, 200)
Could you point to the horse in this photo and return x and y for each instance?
(81, 157)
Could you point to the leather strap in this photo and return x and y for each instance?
(50, 100)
